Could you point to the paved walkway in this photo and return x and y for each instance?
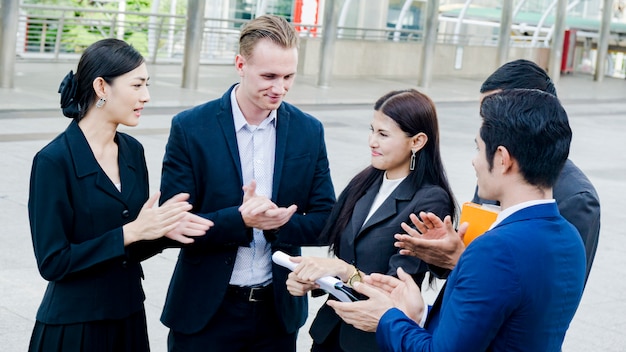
(36, 86)
(29, 118)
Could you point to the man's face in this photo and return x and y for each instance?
(485, 180)
(266, 76)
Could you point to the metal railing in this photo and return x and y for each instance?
(64, 32)
(57, 33)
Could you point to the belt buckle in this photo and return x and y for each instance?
(251, 295)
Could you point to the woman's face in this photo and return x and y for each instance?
(127, 95)
(390, 146)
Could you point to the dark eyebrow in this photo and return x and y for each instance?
(379, 129)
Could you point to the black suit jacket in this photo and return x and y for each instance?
(578, 203)
(370, 248)
(202, 159)
(76, 218)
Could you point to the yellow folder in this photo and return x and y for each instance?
(479, 218)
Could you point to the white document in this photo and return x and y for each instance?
(329, 284)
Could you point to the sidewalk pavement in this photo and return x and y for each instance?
(36, 86)
(30, 117)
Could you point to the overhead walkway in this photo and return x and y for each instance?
(533, 25)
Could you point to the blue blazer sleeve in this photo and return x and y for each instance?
(477, 302)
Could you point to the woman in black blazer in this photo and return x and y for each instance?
(90, 216)
(406, 177)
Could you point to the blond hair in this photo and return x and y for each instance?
(272, 27)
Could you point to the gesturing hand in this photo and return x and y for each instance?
(384, 292)
(299, 287)
(260, 212)
(435, 241)
(190, 225)
(313, 268)
(154, 222)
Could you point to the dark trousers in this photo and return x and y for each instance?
(238, 326)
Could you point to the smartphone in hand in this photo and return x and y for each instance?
(349, 291)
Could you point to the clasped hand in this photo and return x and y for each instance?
(384, 292)
(435, 241)
(172, 220)
(260, 212)
(302, 279)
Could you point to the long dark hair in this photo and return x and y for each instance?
(414, 112)
(106, 58)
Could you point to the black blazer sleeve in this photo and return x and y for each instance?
(52, 217)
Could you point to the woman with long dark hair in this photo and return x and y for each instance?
(406, 176)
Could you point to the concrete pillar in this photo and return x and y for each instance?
(193, 43)
(504, 37)
(430, 39)
(558, 36)
(329, 37)
(8, 41)
(603, 41)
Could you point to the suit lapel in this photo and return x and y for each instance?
(282, 128)
(389, 207)
(361, 209)
(227, 124)
(127, 169)
(85, 162)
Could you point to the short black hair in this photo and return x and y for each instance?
(533, 126)
(519, 74)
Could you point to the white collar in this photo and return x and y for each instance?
(517, 207)
(240, 120)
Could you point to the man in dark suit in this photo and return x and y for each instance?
(502, 295)
(575, 196)
(225, 293)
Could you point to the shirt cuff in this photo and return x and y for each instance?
(422, 321)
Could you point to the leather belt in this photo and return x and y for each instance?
(250, 294)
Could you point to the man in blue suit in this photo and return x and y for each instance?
(258, 168)
(516, 287)
(575, 195)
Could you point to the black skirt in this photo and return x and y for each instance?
(121, 335)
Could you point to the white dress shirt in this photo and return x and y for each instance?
(257, 146)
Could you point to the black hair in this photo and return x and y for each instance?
(414, 112)
(519, 74)
(533, 126)
(106, 58)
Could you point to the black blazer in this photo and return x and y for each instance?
(202, 159)
(370, 248)
(76, 218)
(578, 203)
